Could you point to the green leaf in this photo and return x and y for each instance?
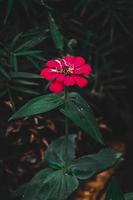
(58, 185)
(48, 185)
(113, 191)
(36, 31)
(122, 24)
(35, 184)
(31, 60)
(39, 105)
(24, 82)
(40, 58)
(4, 73)
(128, 196)
(81, 114)
(55, 154)
(13, 61)
(9, 9)
(24, 75)
(31, 43)
(20, 191)
(28, 53)
(15, 40)
(87, 166)
(56, 35)
(24, 90)
(25, 6)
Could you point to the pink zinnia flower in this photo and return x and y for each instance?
(67, 71)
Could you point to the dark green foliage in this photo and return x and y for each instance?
(88, 166)
(129, 196)
(11, 3)
(81, 114)
(55, 154)
(113, 14)
(56, 35)
(69, 30)
(18, 54)
(113, 191)
(58, 182)
(76, 109)
(39, 105)
(48, 185)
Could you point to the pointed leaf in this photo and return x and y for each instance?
(40, 58)
(81, 114)
(128, 196)
(123, 25)
(16, 38)
(35, 64)
(31, 43)
(28, 53)
(4, 73)
(113, 191)
(50, 186)
(56, 35)
(25, 6)
(24, 89)
(87, 166)
(24, 75)
(13, 62)
(9, 9)
(24, 82)
(38, 105)
(55, 154)
(35, 184)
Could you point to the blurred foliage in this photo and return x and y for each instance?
(33, 31)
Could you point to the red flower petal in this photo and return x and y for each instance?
(78, 61)
(81, 81)
(53, 64)
(69, 59)
(69, 81)
(60, 77)
(86, 69)
(77, 70)
(48, 74)
(61, 62)
(56, 87)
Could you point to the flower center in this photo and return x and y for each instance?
(67, 70)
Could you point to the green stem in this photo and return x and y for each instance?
(66, 131)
